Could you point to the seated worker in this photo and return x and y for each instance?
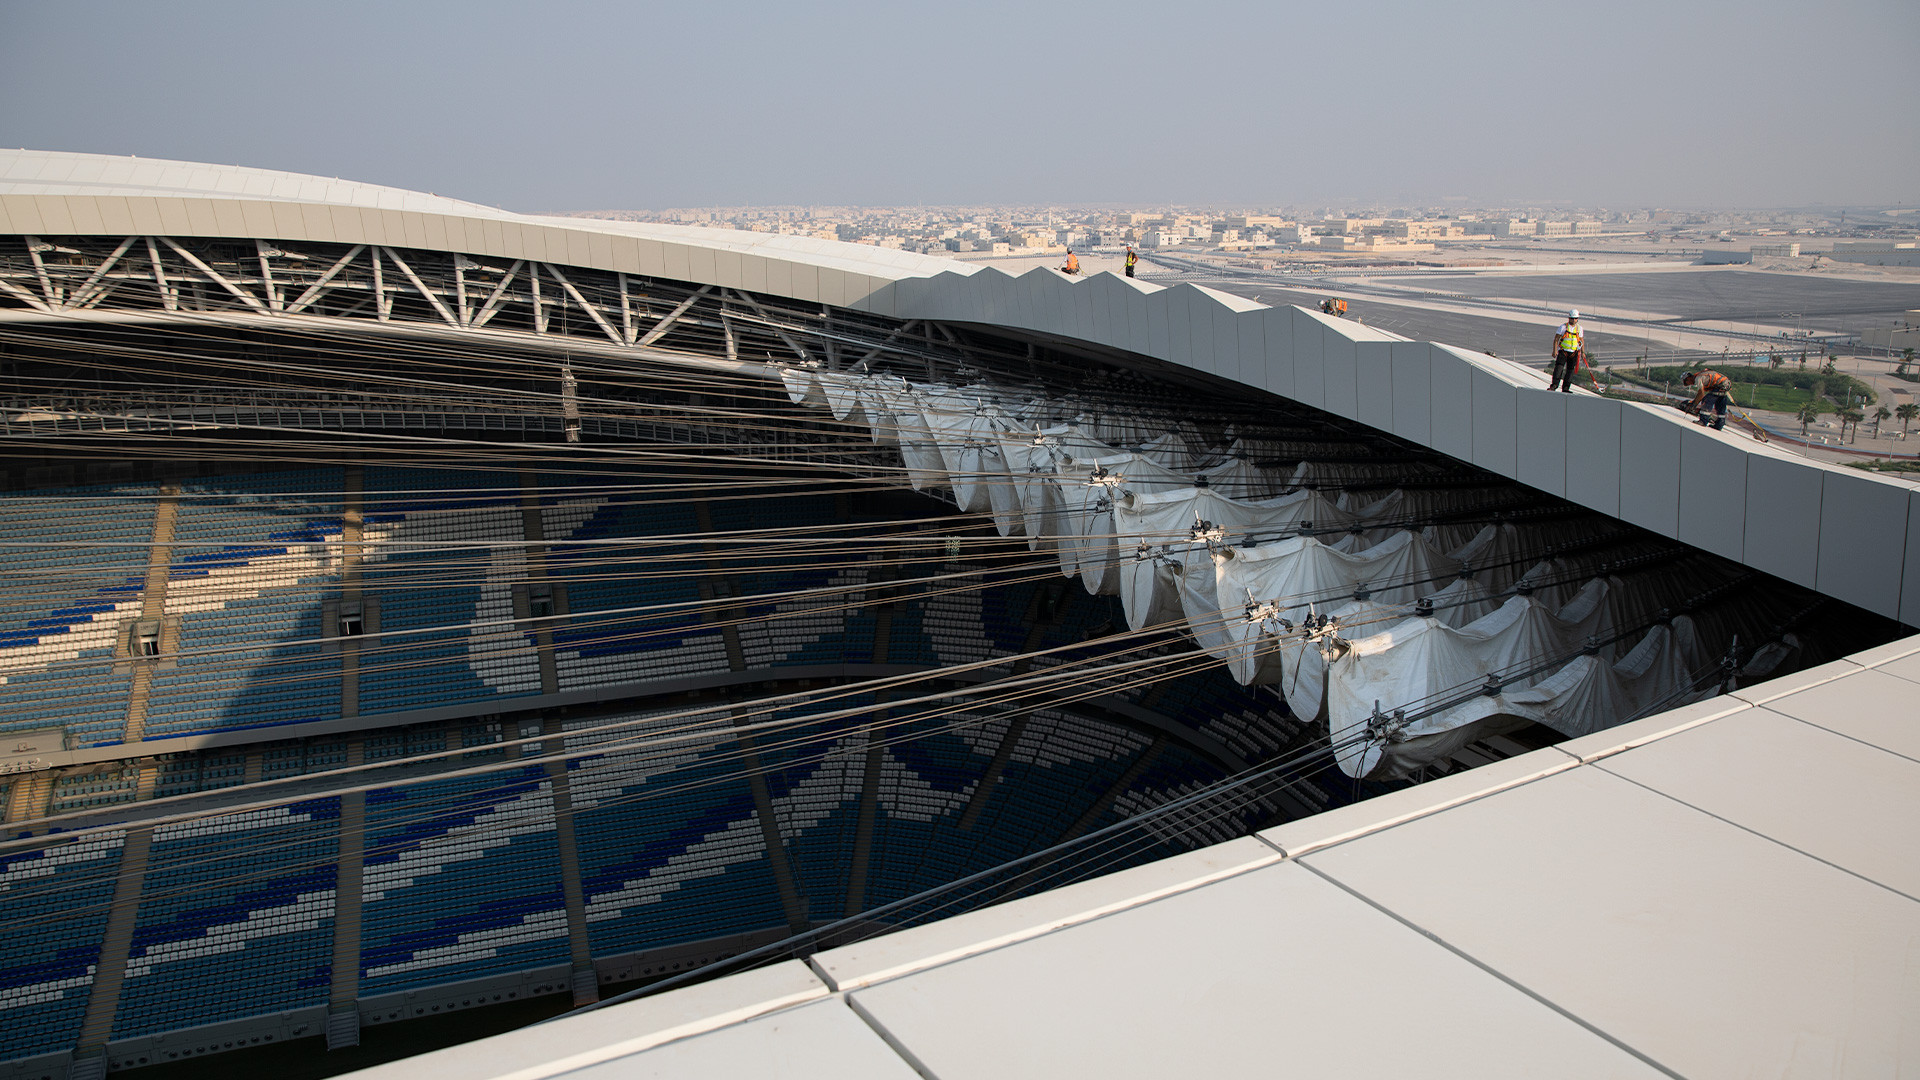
(1073, 263)
(1712, 392)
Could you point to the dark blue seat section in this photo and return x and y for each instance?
(53, 910)
(441, 524)
(461, 878)
(633, 605)
(65, 604)
(251, 567)
(671, 848)
(236, 919)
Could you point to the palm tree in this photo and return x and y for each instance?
(1810, 412)
(1853, 417)
(1828, 368)
(1906, 413)
(1906, 361)
(1880, 414)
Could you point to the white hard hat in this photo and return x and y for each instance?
(1573, 314)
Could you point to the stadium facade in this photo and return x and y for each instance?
(415, 606)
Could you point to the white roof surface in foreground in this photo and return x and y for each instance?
(1728, 889)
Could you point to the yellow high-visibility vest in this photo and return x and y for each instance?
(1569, 338)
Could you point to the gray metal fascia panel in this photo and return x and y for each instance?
(347, 223)
(1309, 359)
(1083, 309)
(779, 278)
(1649, 471)
(865, 285)
(23, 214)
(1342, 372)
(85, 213)
(753, 273)
(116, 219)
(1863, 538)
(414, 227)
(1782, 526)
(1542, 435)
(996, 289)
(1373, 368)
(1276, 336)
(1713, 495)
(675, 264)
(726, 270)
(1100, 292)
(454, 229)
(1412, 389)
(147, 219)
(626, 251)
(1593, 452)
(1139, 328)
(1452, 389)
(200, 218)
(493, 239)
(54, 213)
(804, 286)
(650, 258)
(1910, 576)
(579, 248)
(1496, 435)
(1250, 329)
(830, 287)
(599, 251)
(173, 216)
(1226, 342)
(883, 298)
(316, 223)
(1199, 311)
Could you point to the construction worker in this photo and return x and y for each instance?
(1334, 306)
(1569, 350)
(1712, 392)
(1073, 263)
(1133, 259)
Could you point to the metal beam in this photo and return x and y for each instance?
(539, 303)
(193, 260)
(382, 306)
(612, 334)
(460, 291)
(422, 286)
(34, 244)
(626, 313)
(168, 298)
(494, 298)
(79, 296)
(31, 300)
(266, 276)
(772, 324)
(315, 290)
(665, 324)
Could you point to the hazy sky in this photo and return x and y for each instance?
(580, 105)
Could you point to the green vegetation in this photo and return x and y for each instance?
(1883, 465)
(1766, 388)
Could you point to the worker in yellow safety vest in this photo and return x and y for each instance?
(1712, 393)
(1133, 259)
(1569, 351)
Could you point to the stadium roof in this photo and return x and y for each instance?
(46, 176)
(1721, 890)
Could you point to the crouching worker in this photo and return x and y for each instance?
(1712, 393)
(1073, 263)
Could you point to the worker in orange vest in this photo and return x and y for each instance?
(1073, 263)
(1712, 393)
